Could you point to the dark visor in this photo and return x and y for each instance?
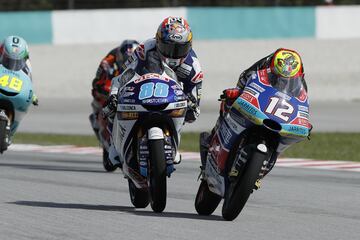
(174, 50)
(12, 64)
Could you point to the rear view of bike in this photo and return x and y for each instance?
(243, 147)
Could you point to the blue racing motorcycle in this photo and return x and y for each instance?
(15, 97)
(271, 114)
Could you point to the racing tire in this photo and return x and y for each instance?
(157, 175)
(108, 166)
(236, 196)
(3, 136)
(206, 201)
(139, 197)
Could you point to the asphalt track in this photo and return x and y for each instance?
(70, 116)
(61, 196)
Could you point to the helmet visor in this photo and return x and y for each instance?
(12, 64)
(291, 85)
(174, 50)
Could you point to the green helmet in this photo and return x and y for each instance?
(14, 53)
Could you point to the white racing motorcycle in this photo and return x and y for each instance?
(146, 133)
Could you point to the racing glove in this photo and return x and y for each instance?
(230, 94)
(193, 110)
(35, 100)
(227, 98)
(192, 113)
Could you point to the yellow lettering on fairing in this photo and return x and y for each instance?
(15, 83)
(4, 80)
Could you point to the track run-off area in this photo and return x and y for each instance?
(62, 192)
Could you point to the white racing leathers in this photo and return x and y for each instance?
(189, 73)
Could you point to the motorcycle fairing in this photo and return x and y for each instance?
(15, 94)
(290, 112)
(143, 102)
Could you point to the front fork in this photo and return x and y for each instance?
(4, 117)
(155, 133)
(244, 154)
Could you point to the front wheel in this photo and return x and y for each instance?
(239, 191)
(3, 135)
(157, 181)
(108, 166)
(139, 197)
(206, 201)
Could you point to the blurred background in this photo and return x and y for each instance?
(16, 5)
(68, 38)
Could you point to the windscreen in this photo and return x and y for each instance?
(291, 86)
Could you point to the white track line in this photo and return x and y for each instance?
(282, 162)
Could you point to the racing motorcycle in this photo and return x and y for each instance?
(15, 97)
(269, 115)
(102, 133)
(146, 132)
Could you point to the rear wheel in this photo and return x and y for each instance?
(157, 180)
(3, 135)
(239, 191)
(108, 166)
(139, 197)
(206, 201)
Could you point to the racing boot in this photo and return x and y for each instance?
(257, 184)
(205, 138)
(114, 157)
(178, 158)
(94, 124)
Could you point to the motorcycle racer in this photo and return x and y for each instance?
(284, 63)
(16, 77)
(14, 55)
(109, 67)
(285, 68)
(172, 46)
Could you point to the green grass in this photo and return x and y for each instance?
(56, 139)
(329, 146)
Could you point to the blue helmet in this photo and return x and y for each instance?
(14, 53)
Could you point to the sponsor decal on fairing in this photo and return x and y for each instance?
(303, 108)
(256, 86)
(155, 100)
(130, 108)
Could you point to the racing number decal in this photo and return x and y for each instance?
(14, 83)
(282, 111)
(16, 40)
(147, 90)
(161, 90)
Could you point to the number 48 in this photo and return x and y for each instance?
(14, 83)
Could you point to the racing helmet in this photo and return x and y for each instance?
(14, 53)
(126, 48)
(173, 40)
(286, 71)
(286, 63)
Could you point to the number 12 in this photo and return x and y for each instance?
(281, 112)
